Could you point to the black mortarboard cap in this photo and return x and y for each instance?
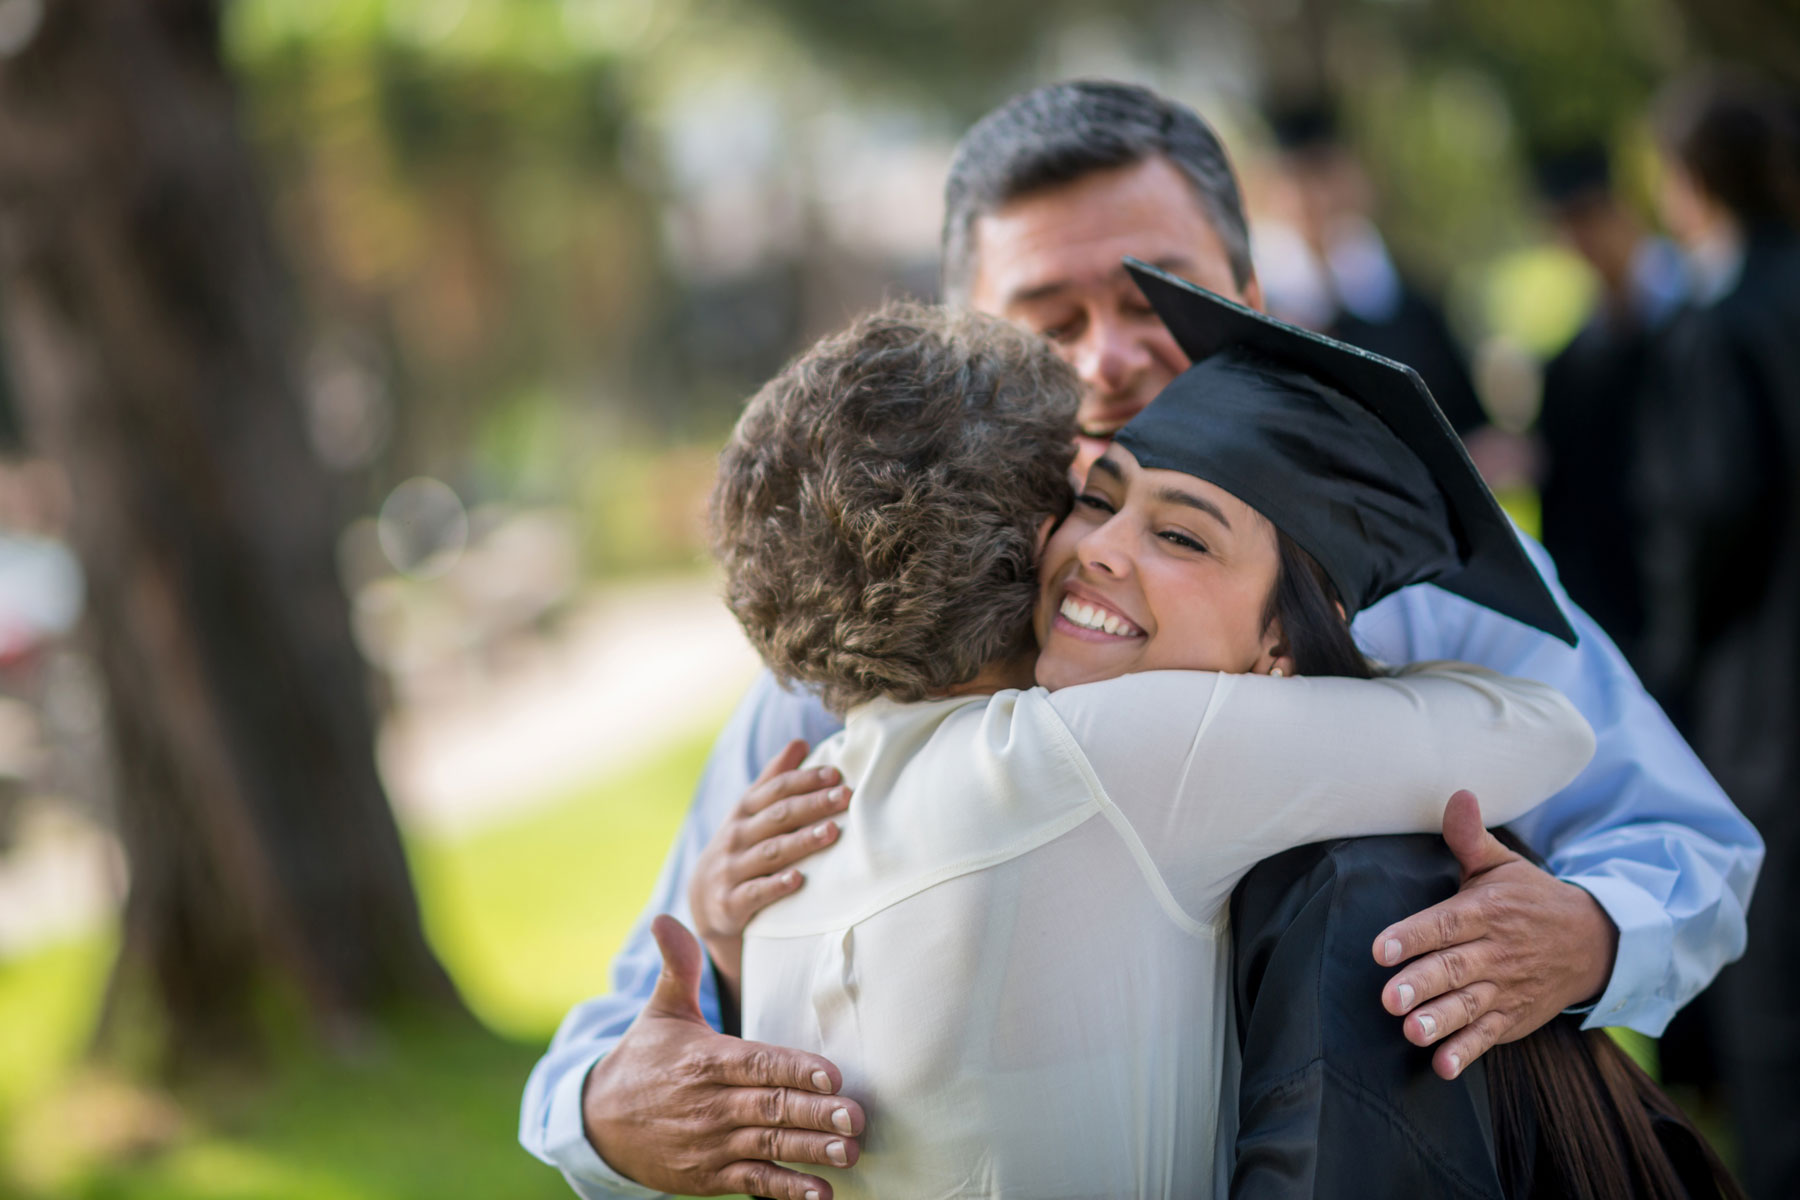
(1342, 450)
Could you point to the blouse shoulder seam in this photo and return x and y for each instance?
(1127, 833)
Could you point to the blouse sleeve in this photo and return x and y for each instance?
(1214, 773)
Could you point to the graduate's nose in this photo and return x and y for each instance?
(1104, 551)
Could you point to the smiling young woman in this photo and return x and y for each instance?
(1158, 570)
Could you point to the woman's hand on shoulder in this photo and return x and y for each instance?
(749, 864)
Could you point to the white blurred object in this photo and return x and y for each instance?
(635, 668)
(423, 527)
(41, 591)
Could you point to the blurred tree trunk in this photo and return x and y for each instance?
(148, 323)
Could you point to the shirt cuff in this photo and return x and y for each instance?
(566, 1144)
(1638, 994)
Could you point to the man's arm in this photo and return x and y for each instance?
(551, 1117)
(1644, 831)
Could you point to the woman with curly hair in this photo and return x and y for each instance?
(1074, 723)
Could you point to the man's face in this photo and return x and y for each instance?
(1051, 261)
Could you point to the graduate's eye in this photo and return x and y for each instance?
(1183, 540)
(1062, 332)
(1096, 502)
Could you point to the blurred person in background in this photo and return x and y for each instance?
(1326, 266)
(1721, 487)
(1594, 386)
(645, 1089)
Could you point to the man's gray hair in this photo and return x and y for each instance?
(1058, 133)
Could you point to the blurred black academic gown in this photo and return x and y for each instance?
(1593, 392)
(1720, 482)
(1413, 331)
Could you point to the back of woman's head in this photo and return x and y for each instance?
(878, 506)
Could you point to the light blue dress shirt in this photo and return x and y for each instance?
(1644, 829)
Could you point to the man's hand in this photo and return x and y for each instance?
(1514, 947)
(678, 1107)
(749, 864)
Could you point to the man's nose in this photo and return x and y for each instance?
(1115, 357)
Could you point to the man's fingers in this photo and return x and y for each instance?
(1456, 920)
(791, 756)
(1455, 1055)
(748, 899)
(796, 812)
(677, 992)
(757, 1064)
(774, 1108)
(794, 1146)
(1475, 848)
(774, 853)
(785, 786)
(1431, 1023)
(764, 1178)
(1436, 973)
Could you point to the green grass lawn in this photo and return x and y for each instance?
(526, 916)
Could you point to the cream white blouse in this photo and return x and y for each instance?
(1018, 950)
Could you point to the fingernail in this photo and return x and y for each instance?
(792, 879)
(1455, 1065)
(1391, 951)
(837, 1154)
(839, 795)
(821, 1081)
(1428, 1025)
(1405, 992)
(841, 1119)
(828, 775)
(822, 831)
(811, 1195)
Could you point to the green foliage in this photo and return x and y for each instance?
(526, 916)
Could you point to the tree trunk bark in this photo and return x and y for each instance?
(148, 322)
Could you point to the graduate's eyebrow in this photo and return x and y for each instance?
(1171, 495)
(1168, 495)
(1110, 467)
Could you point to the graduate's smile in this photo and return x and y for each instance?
(1085, 616)
(1153, 570)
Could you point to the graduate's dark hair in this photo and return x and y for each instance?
(1059, 133)
(1575, 1117)
(1740, 140)
(1315, 632)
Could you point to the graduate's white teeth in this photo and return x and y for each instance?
(1089, 617)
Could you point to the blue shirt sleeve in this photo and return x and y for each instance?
(550, 1124)
(1644, 829)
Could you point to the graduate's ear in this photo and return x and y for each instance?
(1275, 659)
(1044, 531)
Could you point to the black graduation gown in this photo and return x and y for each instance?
(1334, 1103)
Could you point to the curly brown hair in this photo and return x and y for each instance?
(878, 505)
